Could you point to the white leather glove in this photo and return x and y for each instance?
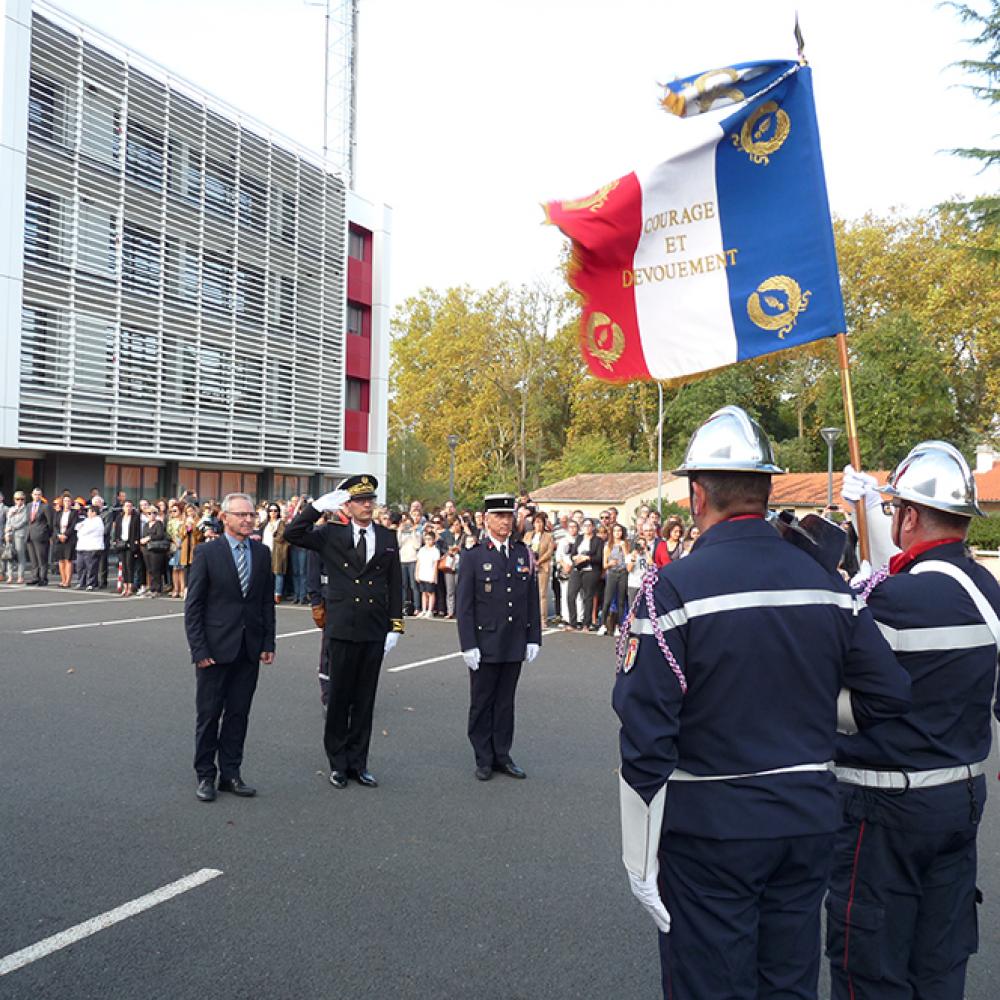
(471, 657)
(531, 652)
(391, 638)
(857, 485)
(864, 571)
(331, 501)
(648, 894)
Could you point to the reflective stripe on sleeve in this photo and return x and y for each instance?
(748, 599)
(925, 640)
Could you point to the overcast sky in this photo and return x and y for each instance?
(472, 112)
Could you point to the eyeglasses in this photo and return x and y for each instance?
(241, 513)
(888, 507)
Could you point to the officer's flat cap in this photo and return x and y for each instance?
(363, 487)
(499, 503)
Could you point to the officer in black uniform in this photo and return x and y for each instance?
(498, 629)
(901, 918)
(364, 617)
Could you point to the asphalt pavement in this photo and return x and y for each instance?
(433, 886)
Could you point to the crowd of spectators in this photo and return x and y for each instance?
(589, 569)
(143, 549)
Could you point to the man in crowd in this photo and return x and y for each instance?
(729, 689)
(499, 627)
(229, 620)
(902, 905)
(363, 619)
(40, 524)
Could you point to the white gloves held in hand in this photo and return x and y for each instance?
(531, 652)
(391, 638)
(648, 894)
(471, 657)
(331, 501)
(857, 485)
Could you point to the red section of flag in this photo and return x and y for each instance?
(605, 230)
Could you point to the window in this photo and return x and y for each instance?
(42, 349)
(250, 292)
(252, 203)
(42, 109)
(219, 192)
(100, 135)
(39, 210)
(356, 243)
(355, 320)
(216, 278)
(141, 259)
(138, 365)
(287, 302)
(288, 212)
(93, 367)
(138, 482)
(188, 271)
(144, 155)
(213, 377)
(96, 250)
(357, 395)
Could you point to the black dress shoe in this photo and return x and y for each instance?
(365, 778)
(338, 779)
(484, 773)
(206, 790)
(511, 769)
(237, 786)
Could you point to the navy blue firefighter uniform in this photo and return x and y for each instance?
(766, 639)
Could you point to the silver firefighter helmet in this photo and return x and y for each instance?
(729, 441)
(935, 474)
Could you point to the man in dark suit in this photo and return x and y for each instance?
(229, 619)
(40, 520)
(364, 617)
(499, 627)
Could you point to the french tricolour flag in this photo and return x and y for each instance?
(722, 252)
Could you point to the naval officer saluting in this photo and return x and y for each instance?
(498, 628)
(363, 621)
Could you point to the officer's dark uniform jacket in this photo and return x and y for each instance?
(496, 602)
(362, 603)
(766, 639)
(940, 637)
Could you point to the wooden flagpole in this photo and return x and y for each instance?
(852, 439)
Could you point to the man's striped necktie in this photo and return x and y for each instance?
(243, 566)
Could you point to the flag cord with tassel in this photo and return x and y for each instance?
(853, 444)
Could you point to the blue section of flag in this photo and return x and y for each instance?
(747, 77)
(784, 287)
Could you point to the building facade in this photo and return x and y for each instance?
(187, 298)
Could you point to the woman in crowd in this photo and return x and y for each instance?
(65, 514)
(448, 564)
(616, 577)
(690, 538)
(15, 533)
(155, 547)
(89, 545)
(175, 525)
(588, 558)
(273, 536)
(426, 573)
(298, 557)
(636, 563)
(564, 567)
(409, 542)
(125, 534)
(675, 541)
(190, 539)
(539, 540)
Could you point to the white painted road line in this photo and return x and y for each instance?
(305, 631)
(447, 656)
(57, 604)
(32, 953)
(121, 621)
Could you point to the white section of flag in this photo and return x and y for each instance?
(685, 323)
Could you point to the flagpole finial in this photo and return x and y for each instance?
(800, 42)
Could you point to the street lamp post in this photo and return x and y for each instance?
(829, 435)
(452, 445)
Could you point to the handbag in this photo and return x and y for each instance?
(158, 545)
(446, 564)
(7, 552)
